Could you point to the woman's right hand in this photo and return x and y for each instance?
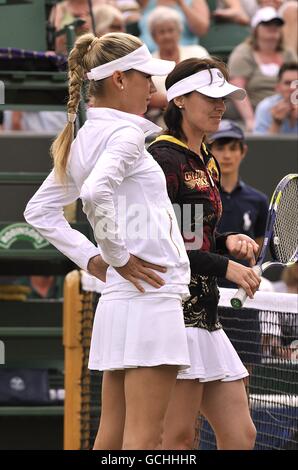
(243, 277)
(137, 269)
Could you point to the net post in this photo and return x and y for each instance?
(73, 354)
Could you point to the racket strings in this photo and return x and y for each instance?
(285, 230)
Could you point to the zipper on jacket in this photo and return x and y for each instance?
(171, 230)
(210, 179)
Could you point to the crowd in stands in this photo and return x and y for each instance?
(265, 63)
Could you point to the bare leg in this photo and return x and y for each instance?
(182, 415)
(110, 432)
(147, 394)
(225, 406)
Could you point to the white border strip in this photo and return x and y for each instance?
(271, 301)
(266, 401)
(266, 301)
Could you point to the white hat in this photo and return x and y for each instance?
(265, 15)
(217, 87)
(140, 60)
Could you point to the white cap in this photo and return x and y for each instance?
(201, 81)
(265, 15)
(140, 60)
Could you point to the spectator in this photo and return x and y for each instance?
(256, 4)
(254, 64)
(231, 10)
(279, 113)
(42, 287)
(280, 330)
(130, 10)
(31, 287)
(194, 15)
(35, 121)
(288, 10)
(165, 26)
(244, 208)
(108, 19)
(67, 12)
(289, 280)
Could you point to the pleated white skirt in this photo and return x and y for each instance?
(142, 331)
(212, 357)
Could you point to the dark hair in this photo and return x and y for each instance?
(285, 67)
(252, 40)
(186, 68)
(227, 140)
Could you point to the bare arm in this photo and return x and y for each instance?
(234, 12)
(45, 213)
(279, 113)
(244, 107)
(197, 15)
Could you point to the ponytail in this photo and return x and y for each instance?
(76, 72)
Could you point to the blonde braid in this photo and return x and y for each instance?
(76, 72)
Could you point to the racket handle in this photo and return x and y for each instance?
(238, 300)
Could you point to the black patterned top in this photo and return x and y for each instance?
(192, 182)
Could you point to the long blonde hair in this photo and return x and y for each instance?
(88, 52)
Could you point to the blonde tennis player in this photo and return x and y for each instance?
(138, 339)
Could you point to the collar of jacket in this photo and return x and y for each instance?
(111, 114)
(174, 140)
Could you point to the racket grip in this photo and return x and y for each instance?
(238, 300)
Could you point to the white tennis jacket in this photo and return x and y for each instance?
(124, 195)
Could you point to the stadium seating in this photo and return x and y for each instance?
(222, 36)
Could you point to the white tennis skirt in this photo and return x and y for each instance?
(142, 331)
(212, 357)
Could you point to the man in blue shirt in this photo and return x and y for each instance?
(278, 114)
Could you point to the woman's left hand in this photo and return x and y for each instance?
(242, 247)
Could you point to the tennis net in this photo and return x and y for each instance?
(264, 333)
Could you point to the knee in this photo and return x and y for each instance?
(182, 439)
(247, 438)
(141, 443)
(144, 439)
(250, 435)
(241, 439)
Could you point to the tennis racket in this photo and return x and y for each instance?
(281, 234)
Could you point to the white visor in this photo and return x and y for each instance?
(140, 60)
(201, 81)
